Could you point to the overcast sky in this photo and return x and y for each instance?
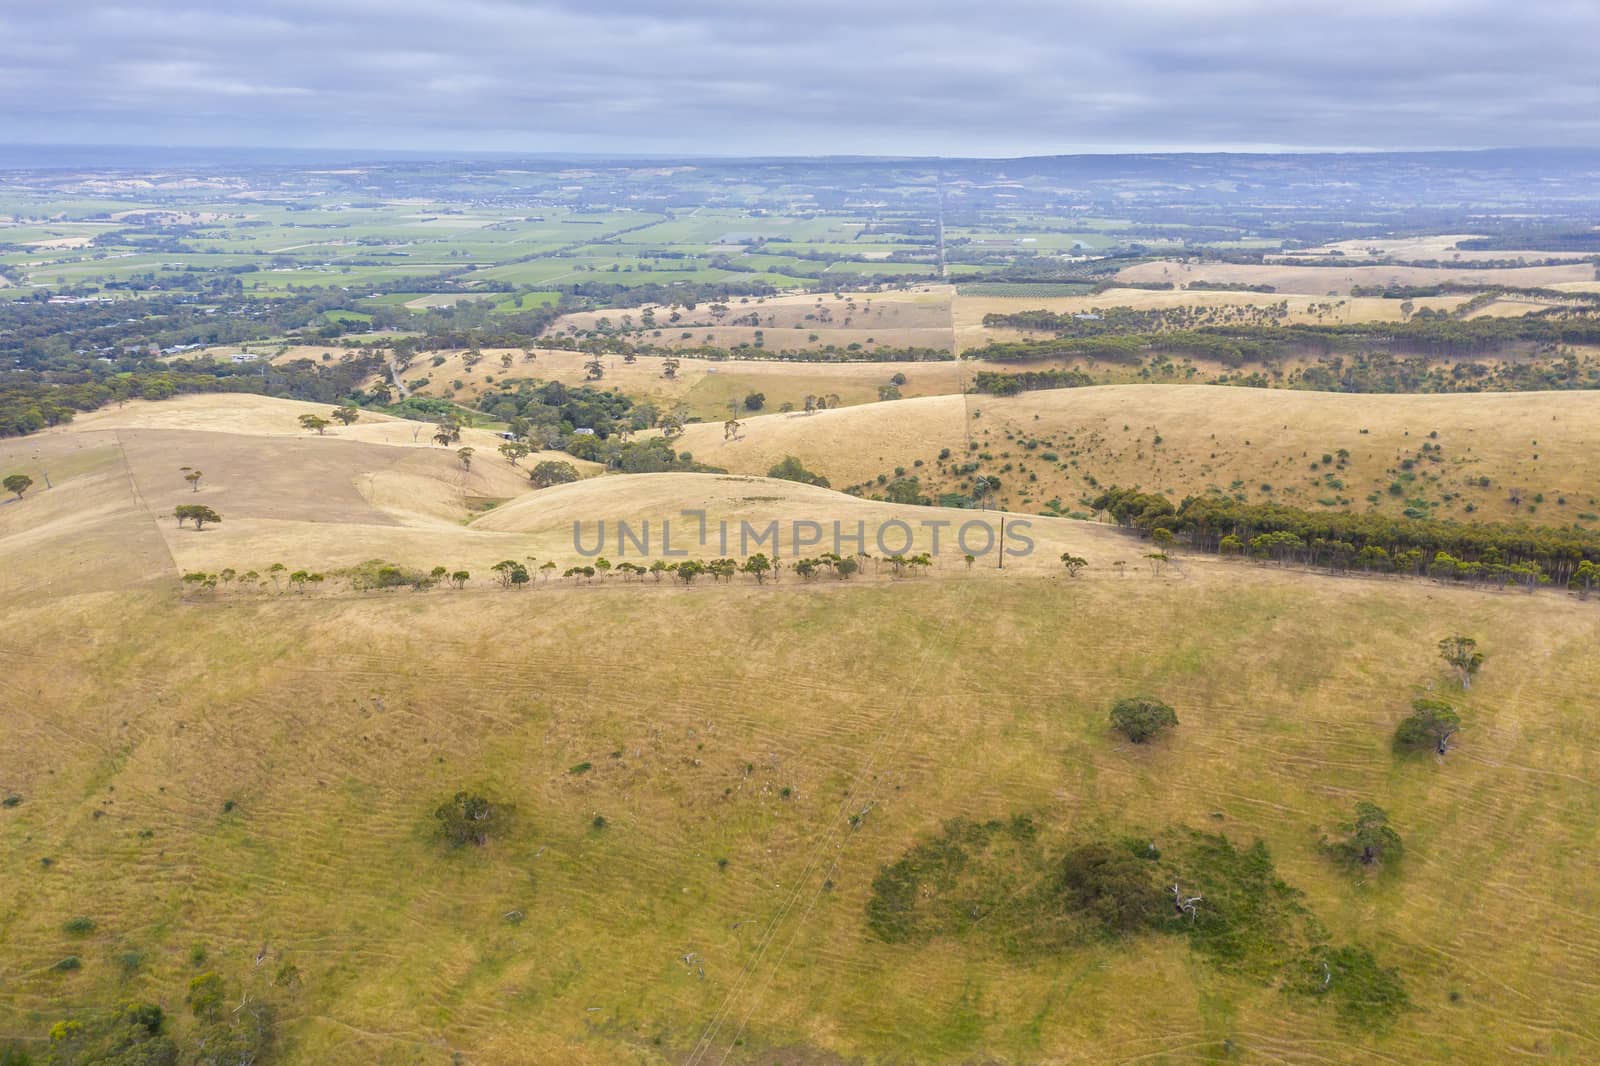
(901, 77)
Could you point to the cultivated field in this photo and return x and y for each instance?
(1433, 246)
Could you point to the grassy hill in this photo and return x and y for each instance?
(1182, 439)
(702, 784)
(704, 388)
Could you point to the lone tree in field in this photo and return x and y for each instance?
(669, 367)
(314, 422)
(1431, 725)
(193, 512)
(1073, 563)
(1463, 654)
(1368, 840)
(1142, 717)
(730, 428)
(448, 433)
(18, 484)
(469, 819)
(465, 455)
(514, 450)
(193, 478)
(346, 414)
(552, 472)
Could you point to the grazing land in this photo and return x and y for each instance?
(804, 612)
(1306, 449)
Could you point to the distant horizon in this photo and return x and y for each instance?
(383, 154)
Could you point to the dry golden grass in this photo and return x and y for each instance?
(748, 723)
(913, 318)
(1326, 280)
(923, 307)
(705, 387)
(244, 414)
(1212, 437)
(1301, 308)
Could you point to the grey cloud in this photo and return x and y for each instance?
(894, 77)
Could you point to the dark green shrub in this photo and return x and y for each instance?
(1112, 887)
(1142, 717)
(469, 819)
(1364, 993)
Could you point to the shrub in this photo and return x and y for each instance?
(377, 574)
(1363, 992)
(1112, 887)
(791, 469)
(1142, 717)
(79, 926)
(469, 819)
(205, 995)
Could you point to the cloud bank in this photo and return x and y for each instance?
(1007, 77)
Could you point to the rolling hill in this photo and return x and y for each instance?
(1182, 439)
(699, 788)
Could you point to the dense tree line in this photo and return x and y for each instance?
(998, 383)
(33, 401)
(1497, 553)
(1439, 336)
(1462, 288)
(831, 353)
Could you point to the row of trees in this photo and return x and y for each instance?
(1499, 553)
(516, 574)
(1124, 335)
